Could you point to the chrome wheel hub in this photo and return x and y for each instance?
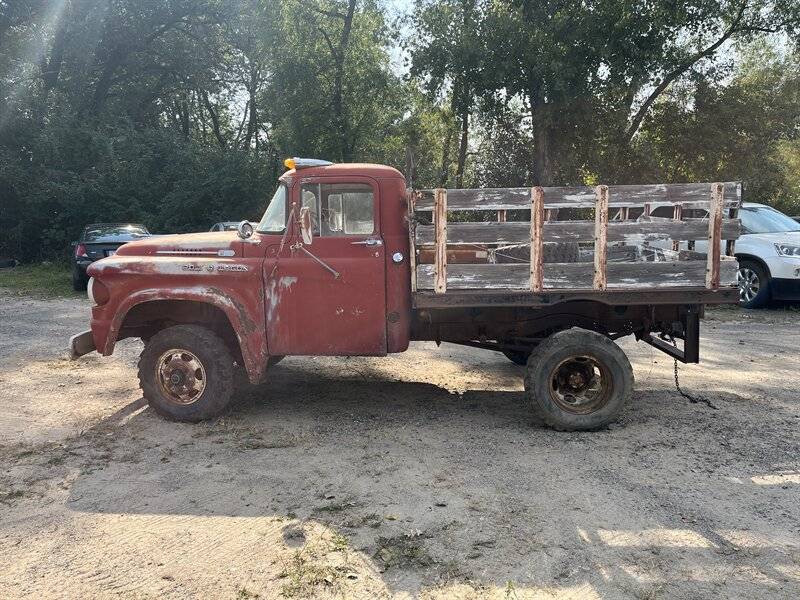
(580, 385)
(181, 376)
(749, 284)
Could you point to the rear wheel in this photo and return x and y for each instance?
(753, 282)
(186, 373)
(578, 380)
(79, 279)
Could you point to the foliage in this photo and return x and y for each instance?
(178, 113)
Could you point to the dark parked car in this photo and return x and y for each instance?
(98, 241)
(225, 226)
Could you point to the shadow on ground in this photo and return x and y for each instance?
(461, 493)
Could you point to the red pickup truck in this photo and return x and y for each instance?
(347, 261)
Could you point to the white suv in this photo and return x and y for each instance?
(769, 256)
(768, 252)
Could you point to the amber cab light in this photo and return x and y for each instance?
(98, 292)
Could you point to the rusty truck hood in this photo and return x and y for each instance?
(205, 243)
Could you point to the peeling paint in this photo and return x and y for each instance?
(275, 288)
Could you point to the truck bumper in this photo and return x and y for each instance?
(81, 344)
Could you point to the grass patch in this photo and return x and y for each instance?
(404, 551)
(305, 576)
(49, 280)
(9, 497)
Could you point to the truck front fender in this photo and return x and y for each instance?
(242, 312)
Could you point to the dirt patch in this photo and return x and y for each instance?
(421, 474)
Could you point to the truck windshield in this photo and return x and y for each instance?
(762, 219)
(274, 220)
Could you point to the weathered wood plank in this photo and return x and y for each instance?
(573, 276)
(412, 249)
(714, 236)
(600, 237)
(631, 232)
(581, 197)
(440, 223)
(537, 240)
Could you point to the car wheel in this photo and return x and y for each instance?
(578, 380)
(753, 282)
(79, 280)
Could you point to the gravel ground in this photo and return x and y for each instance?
(418, 475)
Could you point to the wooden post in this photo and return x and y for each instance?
(412, 239)
(537, 239)
(440, 222)
(600, 236)
(677, 215)
(714, 235)
(502, 217)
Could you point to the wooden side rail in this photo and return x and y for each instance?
(630, 232)
(620, 196)
(653, 267)
(577, 276)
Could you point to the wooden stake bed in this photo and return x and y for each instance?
(534, 243)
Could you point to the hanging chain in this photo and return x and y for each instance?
(691, 398)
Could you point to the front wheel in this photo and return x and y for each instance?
(753, 284)
(186, 373)
(578, 380)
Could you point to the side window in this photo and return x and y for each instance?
(341, 208)
(309, 198)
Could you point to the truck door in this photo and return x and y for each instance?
(329, 297)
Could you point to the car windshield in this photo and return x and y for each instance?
(762, 219)
(274, 220)
(98, 233)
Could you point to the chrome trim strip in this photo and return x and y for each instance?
(189, 252)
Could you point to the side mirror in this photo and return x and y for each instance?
(306, 226)
(245, 230)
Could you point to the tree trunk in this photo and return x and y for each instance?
(462, 149)
(444, 172)
(339, 118)
(215, 126)
(542, 170)
(252, 123)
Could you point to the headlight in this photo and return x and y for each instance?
(97, 292)
(787, 250)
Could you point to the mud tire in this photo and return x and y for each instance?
(562, 346)
(215, 358)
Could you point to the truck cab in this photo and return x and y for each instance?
(325, 272)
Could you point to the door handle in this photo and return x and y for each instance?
(369, 242)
